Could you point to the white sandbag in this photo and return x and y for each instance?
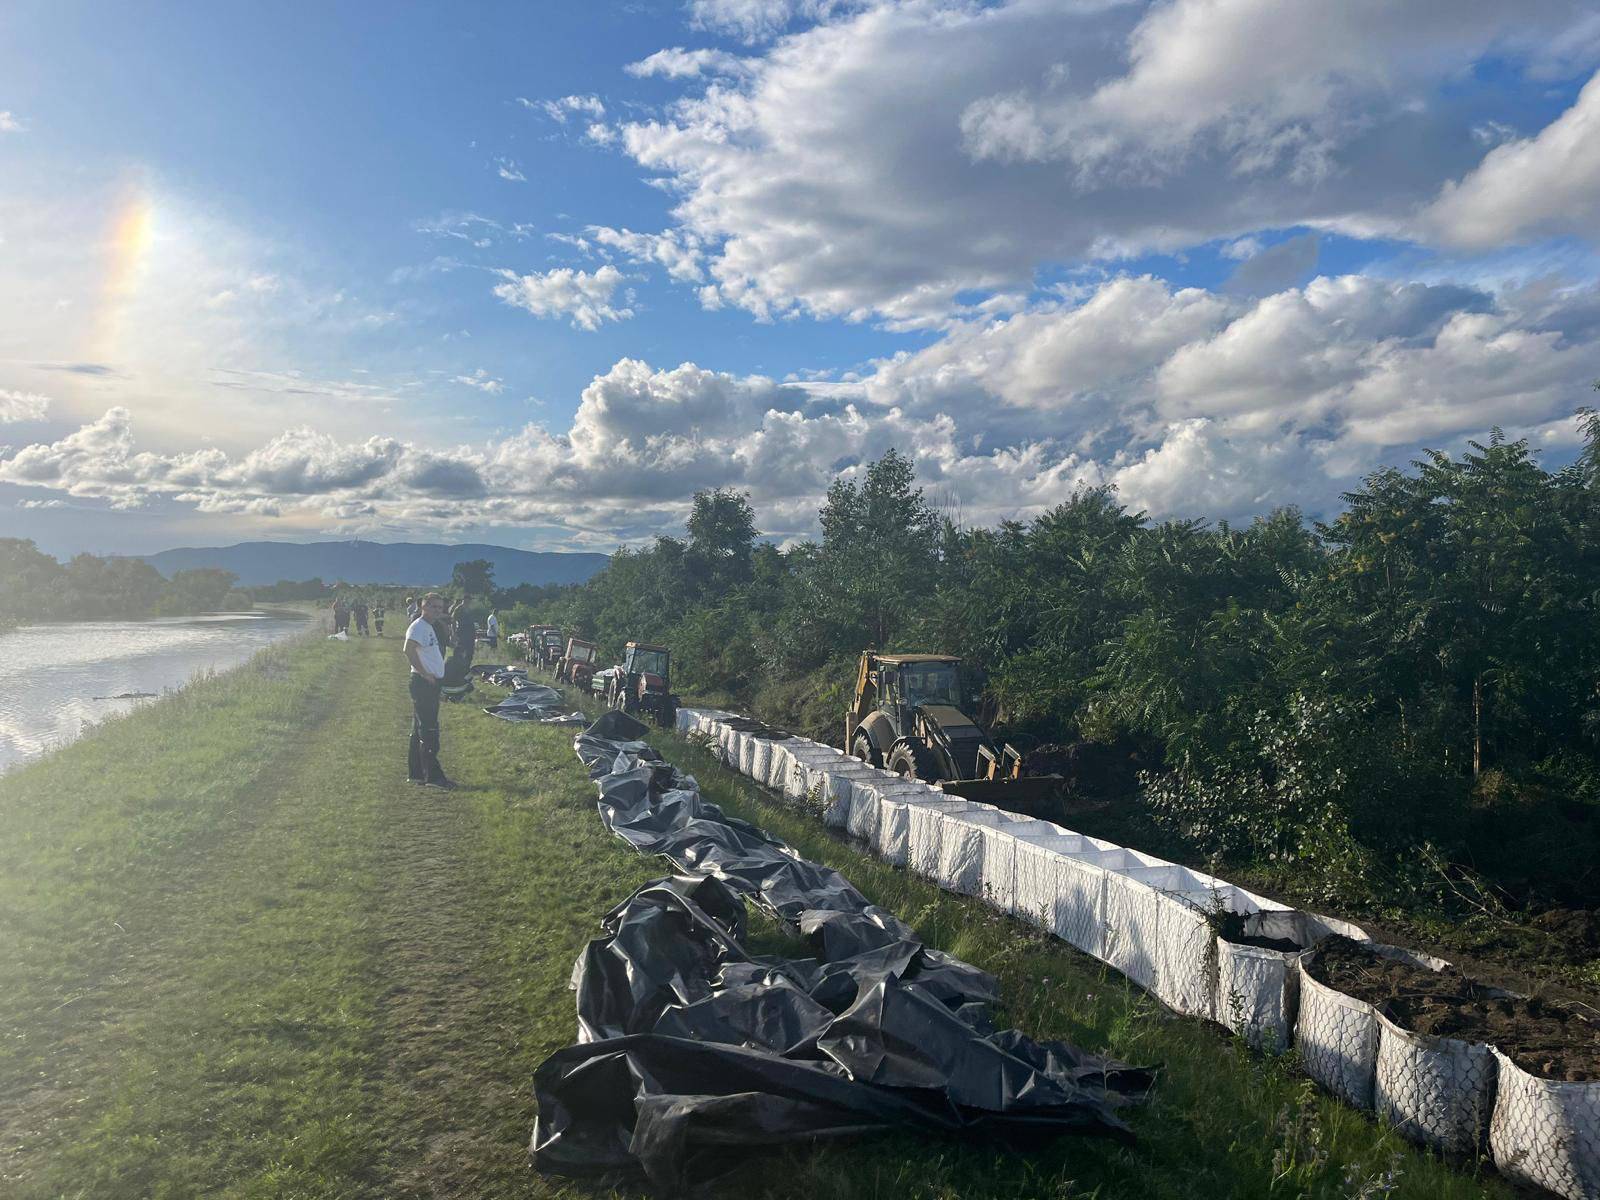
(1118, 858)
(893, 822)
(962, 847)
(760, 759)
(925, 834)
(1257, 991)
(1337, 1035)
(801, 755)
(1438, 1091)
(999, 883)
(1546, 1132)
(838, 792)
(1132, 928)
(1063, 894)
(1186, 958)
(778, 763)
(809, 770)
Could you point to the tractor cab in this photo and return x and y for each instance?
(577, 664)
(643, 682)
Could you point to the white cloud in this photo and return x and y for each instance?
(678, 63)
(680, 253)
(508, 169)
(10, 122)
(1531, 187)
(1191, 403)
(22, 406)
(893, 160)
(756, 20)
(566, 106)
(483, 381)
(600, 134)
(585, 297)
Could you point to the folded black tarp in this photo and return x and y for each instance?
(691, 1049)
(534, 702)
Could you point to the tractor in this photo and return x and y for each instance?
(642, 683)
(908, 718)
(536, 638)
(550, 647)
(577, 664)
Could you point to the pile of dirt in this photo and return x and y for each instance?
(1230, 928)
(1093, 770)
(1549, 1039)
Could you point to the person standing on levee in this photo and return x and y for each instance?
(426, 657)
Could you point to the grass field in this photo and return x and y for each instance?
(241, 956)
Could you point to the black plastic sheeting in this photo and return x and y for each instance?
(692, 1050)
(533, 702)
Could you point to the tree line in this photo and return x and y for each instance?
(1407, 691)
(36, 587)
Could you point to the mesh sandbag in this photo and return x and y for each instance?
(895, 802)
(925, 834)
(778, 763)
(747, 752)
(1257, 989)
(999, 885)
(1066, 895)
(962, 848)
(1546, 1132)
(1435, 1090)
(1132, 928)
(1186, 962)
(1337, 1036)
(760, 760)
(838, 789)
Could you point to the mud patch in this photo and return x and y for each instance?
(1547, 1038)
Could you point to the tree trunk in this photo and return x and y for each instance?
(1477, 725)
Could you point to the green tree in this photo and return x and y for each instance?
(879, 553)
(722, 538)
(474, 578)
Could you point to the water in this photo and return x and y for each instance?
(53, 678)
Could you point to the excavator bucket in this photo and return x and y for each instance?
(1031, 795)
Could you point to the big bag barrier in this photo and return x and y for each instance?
(1152, 920)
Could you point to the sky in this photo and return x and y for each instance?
(533, 274)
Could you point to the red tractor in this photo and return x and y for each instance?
(642, 683)
(577, 664)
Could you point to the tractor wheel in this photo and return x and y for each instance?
(668, 713)
(914, 761)
(863, 749)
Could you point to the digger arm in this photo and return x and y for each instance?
(858, 707)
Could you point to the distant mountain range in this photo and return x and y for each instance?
(416, 563)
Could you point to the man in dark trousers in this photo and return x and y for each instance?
(426, 657)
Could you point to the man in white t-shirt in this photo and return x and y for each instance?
(426, 657)
(492, 630)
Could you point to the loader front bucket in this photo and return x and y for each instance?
(1031, 796)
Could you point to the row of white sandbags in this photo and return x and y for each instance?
(1152, 920)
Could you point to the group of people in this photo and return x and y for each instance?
(430, 630)
(345, 611)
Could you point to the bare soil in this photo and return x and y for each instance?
(1230, 927)
(1548, 1038)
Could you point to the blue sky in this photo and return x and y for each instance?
(495, 272)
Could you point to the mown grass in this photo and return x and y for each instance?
(239, 956)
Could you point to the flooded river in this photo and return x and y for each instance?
(57, 680)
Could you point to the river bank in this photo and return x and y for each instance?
(59, 679)
(242, 956)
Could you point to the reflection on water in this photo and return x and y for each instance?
(50, 675)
